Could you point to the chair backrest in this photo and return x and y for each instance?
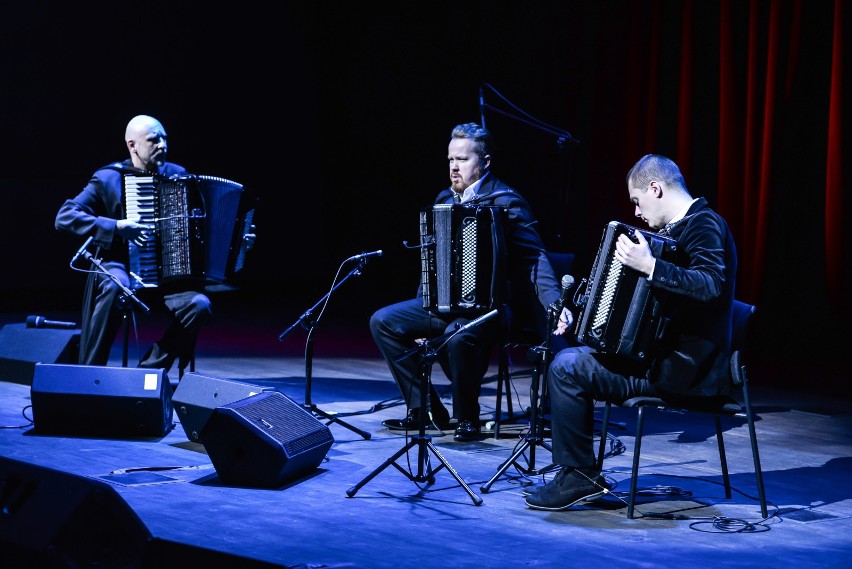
(743, 312)
(740, 322)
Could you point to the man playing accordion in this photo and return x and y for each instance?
(691, 356)
(99, 212)
(465, 358)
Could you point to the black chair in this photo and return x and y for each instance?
(525, 333)
(716, 406)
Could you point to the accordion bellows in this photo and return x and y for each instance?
(199, 221)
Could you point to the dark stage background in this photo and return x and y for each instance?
(338, 114)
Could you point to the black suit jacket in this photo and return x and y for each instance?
(701, 279)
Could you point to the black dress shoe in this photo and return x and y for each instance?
(468, 431)
(440, 421)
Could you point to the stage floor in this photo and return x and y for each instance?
(158, 501)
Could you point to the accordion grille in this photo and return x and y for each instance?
(468, 260)
(174, 230)
(610, 287)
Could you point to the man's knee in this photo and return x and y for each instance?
(568, 364)
(202, 307)
(192, 311)
(378, 324)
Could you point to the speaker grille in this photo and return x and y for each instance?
(299, 430)
(264, 440)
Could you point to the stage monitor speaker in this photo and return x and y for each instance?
(54, 519)
(101, 401)
(22, 347)
(198, 395)
(265, 440)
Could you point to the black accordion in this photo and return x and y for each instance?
(199, 222)
(621, 313)
(463, 258)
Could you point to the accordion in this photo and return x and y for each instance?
(199, 222)
(463, 258)
(621, 313)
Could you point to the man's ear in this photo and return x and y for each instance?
(657, 188)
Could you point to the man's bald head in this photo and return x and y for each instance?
(146, 141)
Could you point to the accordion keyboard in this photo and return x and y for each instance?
(140, 205)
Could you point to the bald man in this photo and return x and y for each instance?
(98, 212)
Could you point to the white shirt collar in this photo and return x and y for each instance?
(682, 213)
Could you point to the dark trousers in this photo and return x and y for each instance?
(464, 358)
(578, 377)
(102, 315)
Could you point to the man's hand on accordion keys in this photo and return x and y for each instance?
(564, 323)
(134, 231)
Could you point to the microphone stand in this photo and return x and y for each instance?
(428, 352)
(125, 296)
(309, 323)
(535, 436)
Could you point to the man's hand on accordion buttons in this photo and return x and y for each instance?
(250, 237)
(637, 255)
(565, 321)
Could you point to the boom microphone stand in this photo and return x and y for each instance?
(309, 323)
(126, 296)
(428, 351)
(535, 435)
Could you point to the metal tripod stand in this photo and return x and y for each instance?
(309, 323)
(428, 351)
(535, 436)
(126, 296)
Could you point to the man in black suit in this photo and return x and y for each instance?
(692, 358)
(97, 211)
(465, 359)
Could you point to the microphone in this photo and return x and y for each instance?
(567, 283)
(366, 255)
(41, 322)
(81, 250)
(478, 321)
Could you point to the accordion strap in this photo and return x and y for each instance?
(492, 196)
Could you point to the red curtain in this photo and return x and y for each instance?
(756, 86)
(834, 236)
(767, 55)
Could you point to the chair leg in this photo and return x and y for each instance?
(637, 447)
(604, 431)
(125, 336)
(723, 459)
(507, 385)
(758, 472)
(502, 379)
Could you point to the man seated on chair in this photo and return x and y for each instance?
(693, 358)
(98, 212)
(465, 359)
